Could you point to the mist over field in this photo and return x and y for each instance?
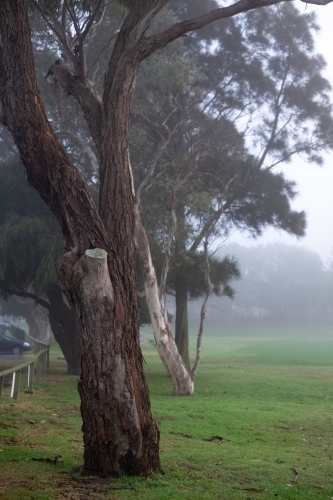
(280, 286)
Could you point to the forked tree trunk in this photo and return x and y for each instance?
(166, 346)
(120, 435)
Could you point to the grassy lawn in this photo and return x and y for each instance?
(268, 394)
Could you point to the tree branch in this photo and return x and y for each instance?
(166, 263)
(59, 31)
(152, 43)
(28, 295)
(90, 103)
(90, 153)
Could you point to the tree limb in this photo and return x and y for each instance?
(152, 43)
(90, 103)
(166, 263)
(59, 31)
(28, 295)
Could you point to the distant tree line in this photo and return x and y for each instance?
(278, 282)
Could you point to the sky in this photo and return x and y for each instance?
(315, 184)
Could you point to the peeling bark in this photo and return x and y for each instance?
(166, 346)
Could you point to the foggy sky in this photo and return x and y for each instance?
(315, 184)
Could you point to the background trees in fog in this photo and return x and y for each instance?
(220, 145)
(279, 282)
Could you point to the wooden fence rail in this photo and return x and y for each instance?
(41, 359)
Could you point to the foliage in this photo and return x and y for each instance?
(28, 250)
(30, 241)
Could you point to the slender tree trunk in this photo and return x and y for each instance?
(120, 436)
(34, 330)
(181, 320)
(209, 290)
(181, 290)
(166, 346)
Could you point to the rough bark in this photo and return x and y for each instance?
(120, 435)
(165, 343)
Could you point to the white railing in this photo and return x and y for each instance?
(40, 359)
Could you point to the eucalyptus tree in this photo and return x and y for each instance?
(238, 100)
(98, 270)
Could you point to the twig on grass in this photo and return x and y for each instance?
(216, 438)
(2, 424)
(48, 460)
(296, 474)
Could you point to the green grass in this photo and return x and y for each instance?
(270, 398)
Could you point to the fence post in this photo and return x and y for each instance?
(15, 384)
(31, 369)
(39, 370)
(43, 361)
(42, 358)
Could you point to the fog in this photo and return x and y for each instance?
(314, 183)
(280, 285)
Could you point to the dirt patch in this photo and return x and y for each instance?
(90, 488)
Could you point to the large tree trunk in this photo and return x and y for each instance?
(119, 433)
(65, 329)
(166, 346)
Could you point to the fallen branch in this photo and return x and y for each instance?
(2, 424)
(216, 438)
(47, 460)
(253, 490)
